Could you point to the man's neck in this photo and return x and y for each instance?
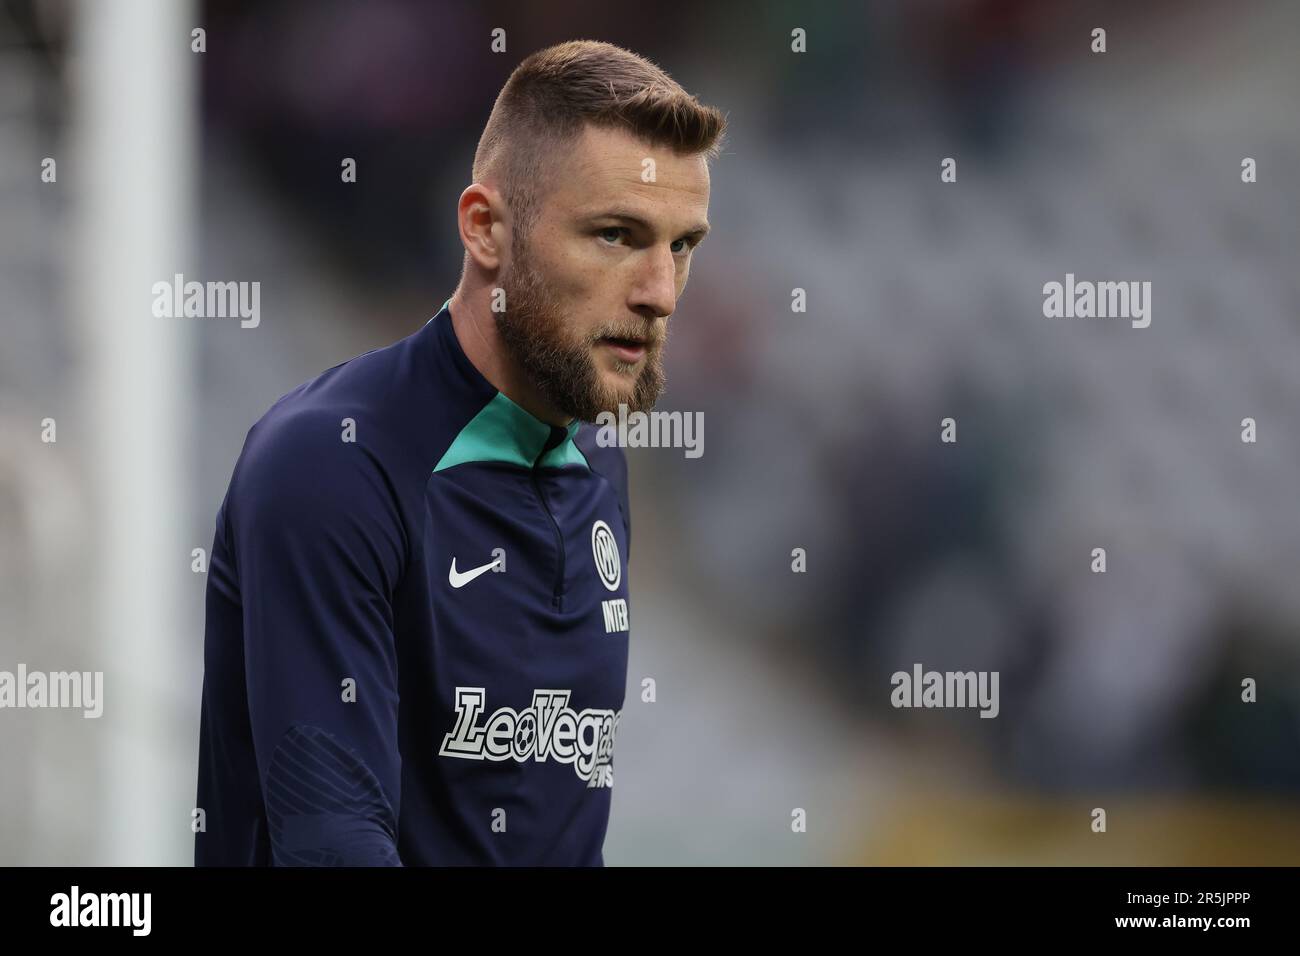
(471, 318)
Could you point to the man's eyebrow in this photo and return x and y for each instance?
(700, 229)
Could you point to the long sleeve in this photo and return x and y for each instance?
(318, 546)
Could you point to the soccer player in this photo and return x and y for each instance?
(417, 623)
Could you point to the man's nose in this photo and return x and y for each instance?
(655, 295)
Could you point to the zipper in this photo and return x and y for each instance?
(557, 435)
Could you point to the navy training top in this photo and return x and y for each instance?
(416, 634)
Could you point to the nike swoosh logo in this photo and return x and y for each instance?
(458, 579)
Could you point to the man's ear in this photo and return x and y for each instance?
(484, 227)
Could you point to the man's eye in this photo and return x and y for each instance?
(613, 233)
(685, 246)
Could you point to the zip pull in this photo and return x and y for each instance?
(553, 440)
(557, 435)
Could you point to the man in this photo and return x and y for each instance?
(417, 623)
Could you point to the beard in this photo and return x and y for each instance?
(563, 366)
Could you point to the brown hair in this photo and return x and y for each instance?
(555, 91)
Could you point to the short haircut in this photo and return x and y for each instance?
(554, 92)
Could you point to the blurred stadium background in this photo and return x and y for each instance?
(1119, 691)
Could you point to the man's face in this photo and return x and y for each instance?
(589, 291)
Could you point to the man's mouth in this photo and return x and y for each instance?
(630, 350)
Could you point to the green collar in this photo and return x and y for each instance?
(503, 431)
